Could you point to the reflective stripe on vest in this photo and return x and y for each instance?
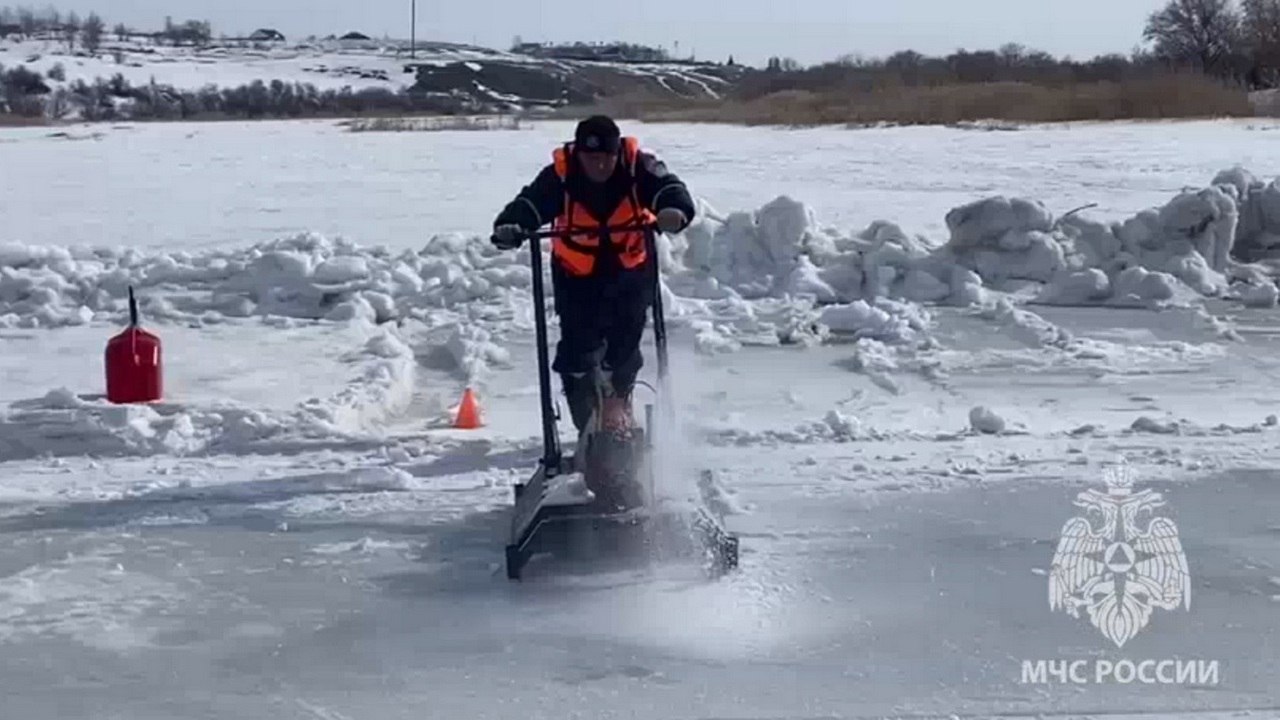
(577, 253)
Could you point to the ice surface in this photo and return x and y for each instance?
(92, 599)
(898, 416)
(412, 185)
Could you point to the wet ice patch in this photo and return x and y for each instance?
(90, 599)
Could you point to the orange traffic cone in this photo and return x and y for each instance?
(468, 412)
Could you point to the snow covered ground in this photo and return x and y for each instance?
(898, 425)
(323, 64)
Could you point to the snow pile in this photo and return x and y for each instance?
(62, 423)
(728, 324)
(383, 390)
(1003, 239)
(471, 351)
(1026, 326)
(765, 254)
(779, 251)
(877, 361)
(771, 277)
(836, 426)
(883, 320)
(775, 276)
(1191, 247)
(1146, 259)
(1258, 229)
(303, 277)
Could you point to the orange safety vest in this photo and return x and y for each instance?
(577, 253)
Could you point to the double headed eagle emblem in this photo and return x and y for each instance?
(1115, 570)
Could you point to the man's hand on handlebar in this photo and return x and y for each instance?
(671, 221)
(509, 237)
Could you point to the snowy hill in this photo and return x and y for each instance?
(459, 76)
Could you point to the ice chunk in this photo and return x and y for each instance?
(1260, 296)
(338, 270)
(1074, 288)
(985, 420)
(988, 222)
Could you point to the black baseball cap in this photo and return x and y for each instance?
(598, 133)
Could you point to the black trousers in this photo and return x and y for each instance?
(602, 321)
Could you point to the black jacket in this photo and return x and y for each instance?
(541, 201)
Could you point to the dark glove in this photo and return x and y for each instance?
(508, 237)
(671, 220)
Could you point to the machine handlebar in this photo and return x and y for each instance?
(541, 234)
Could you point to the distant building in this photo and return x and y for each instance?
(267, 35)
(357, 41)
(596, 51)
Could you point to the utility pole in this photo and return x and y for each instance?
(413, 29)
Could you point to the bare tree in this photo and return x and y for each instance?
(1012, 54)
(122, 32)
(93, 28)
(27, 19)
(71, 28)
(1202, 32)
(1261, 32)
(59, 104)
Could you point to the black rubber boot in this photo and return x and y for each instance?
(580, 392)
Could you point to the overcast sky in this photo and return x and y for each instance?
(752, 30)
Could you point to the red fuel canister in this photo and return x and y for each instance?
(133, 363)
